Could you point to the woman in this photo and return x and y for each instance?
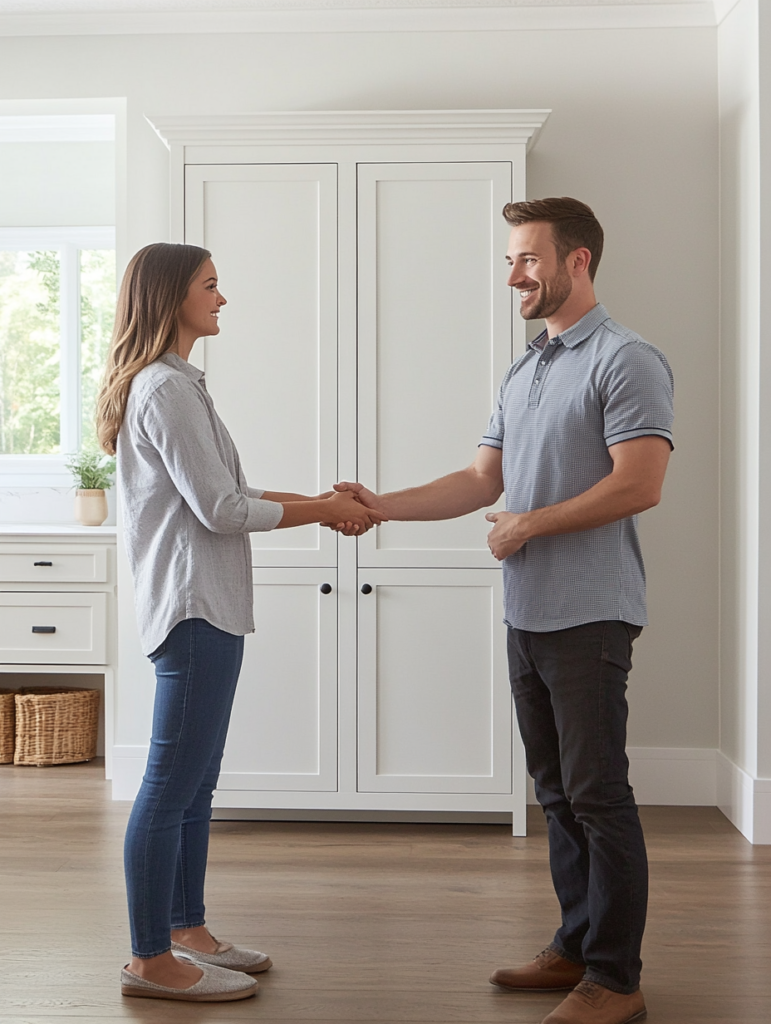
(187, 512)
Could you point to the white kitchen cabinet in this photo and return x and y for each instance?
(368, 327)
(45, 628)
(58, 613)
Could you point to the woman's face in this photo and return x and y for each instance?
(198, 314)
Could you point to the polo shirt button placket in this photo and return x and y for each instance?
(535, 391)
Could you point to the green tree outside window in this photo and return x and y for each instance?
(30, 346)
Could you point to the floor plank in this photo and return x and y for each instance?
(366, 922)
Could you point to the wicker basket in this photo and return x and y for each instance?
(56, 725)
(7, 725)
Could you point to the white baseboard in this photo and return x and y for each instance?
(670, 776)
(674, 776)
(745, 800)
(128, 767)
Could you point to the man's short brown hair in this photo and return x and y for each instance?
(574, 225)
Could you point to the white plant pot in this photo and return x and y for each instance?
(90, 507)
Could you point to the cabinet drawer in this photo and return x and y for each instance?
(49, 629)
(36, 563)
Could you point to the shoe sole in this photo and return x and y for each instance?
(264, 966)
(210, 997)
(638, 1016)
(534, 988)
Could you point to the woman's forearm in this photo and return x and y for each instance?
(285, 496)
(299, 510)
(337, 510)
(288, 496)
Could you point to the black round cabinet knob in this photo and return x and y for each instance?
(326, 588)
(366, 588)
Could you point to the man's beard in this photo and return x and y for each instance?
(551, 295)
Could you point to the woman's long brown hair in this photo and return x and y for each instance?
(153, 289)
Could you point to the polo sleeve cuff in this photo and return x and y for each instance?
(491, 442)
(627, 435)
(263, 515)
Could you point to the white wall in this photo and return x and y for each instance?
(50, 184)
(633, 132)
(744, 39)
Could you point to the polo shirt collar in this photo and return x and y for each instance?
(178, 363)
(579, 332)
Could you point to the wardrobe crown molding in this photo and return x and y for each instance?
(352, 126)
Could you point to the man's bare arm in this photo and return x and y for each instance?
(633, 485)
(457, 494)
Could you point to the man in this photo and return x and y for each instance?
(580, 441)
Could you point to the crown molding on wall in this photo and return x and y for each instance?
(352, 126)
(723, 8)
(687, 14)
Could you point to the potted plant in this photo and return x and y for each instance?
(93, 472)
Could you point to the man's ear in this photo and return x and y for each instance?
(579, 261)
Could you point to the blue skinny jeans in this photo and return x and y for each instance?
(167, 838)
(569, 691)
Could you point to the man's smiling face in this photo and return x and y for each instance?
(537, 273)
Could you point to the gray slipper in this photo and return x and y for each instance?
(235, 958)
(217, 985)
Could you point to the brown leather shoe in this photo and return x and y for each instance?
(590, 1003)
(549, 972)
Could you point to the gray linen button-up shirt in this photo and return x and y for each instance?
(186, 506)
(560, 407)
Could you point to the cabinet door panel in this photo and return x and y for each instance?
(272, 230)
(283, 733)
(434, 701)
(435, 338)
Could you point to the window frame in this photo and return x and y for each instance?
(50, 470)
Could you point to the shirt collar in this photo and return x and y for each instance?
(580, 331)
(178, 363)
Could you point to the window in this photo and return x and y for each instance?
(59, 167)
(57, 303)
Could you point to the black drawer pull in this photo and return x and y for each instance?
(326, 588)
(366, 588)
(43, 563)
(44, 629)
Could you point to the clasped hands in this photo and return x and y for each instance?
(506, 537)
(353, 509)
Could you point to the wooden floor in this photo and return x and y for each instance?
(381, 922)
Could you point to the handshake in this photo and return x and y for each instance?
(353, 509)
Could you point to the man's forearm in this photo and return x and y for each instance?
(633, 486)
(608, 501)
(450, 496)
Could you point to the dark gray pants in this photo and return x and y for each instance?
(569, 690)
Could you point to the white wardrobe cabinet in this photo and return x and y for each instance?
(434, 710)
(367, 329)
(283, 731)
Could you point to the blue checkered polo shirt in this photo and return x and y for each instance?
(560, 407)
